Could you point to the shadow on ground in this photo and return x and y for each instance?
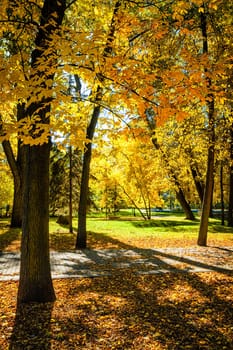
(32, 327)
(151, 312)
(8, 236)
(163, 223)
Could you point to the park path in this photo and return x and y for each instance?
(103, 262)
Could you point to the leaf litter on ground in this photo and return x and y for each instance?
(124, 311)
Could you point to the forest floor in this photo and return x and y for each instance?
(184, 308)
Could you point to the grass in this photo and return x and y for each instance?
(172, 311)
(126, 232)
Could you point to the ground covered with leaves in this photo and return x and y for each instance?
(124, 311)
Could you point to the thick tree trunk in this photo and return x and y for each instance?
(35, 282)
(35, 275)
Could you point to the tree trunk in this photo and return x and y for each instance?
(198, 184)
(184, 204)
(16, 165)
(35, 275)
(203, 230)
(16, 169)
(70, 191)
(180, 196)
(35, 282)
(230, 205)
(222, 195)
(209, 185)
(81, 240)
(16, 215)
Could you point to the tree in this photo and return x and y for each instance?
(129, 174)
(230, 200)
(35, 282)
(98, 92)
(167, 160)
(64, 169)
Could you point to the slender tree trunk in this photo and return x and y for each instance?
(179, 192)
(198, 184)
(16, 165)
(230, 200)
(230, 206)
(209, 185)
(203, 229)
(16, 169)
(184, 204)
(16, 215)
(35, 282)
(81, 240)
(222, 195)
(70, 191)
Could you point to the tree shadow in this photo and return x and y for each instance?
(8, 237)
(220, 228)
(154, 312)
(32, 327)
(113, 243)
(97, 239)
(61, 241)
(163, 223)
(225, 249)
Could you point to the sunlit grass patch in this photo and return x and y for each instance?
(126, 232)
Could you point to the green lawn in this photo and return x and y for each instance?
(126, 232)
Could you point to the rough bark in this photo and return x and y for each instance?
(35, 282)
(35, 275)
